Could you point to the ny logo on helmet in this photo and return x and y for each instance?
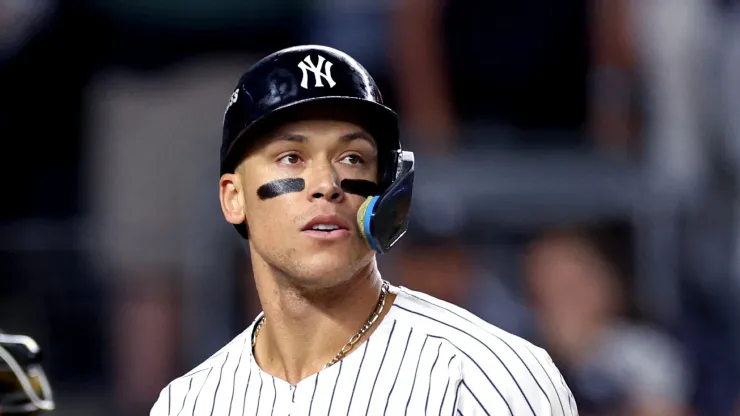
(306, 65)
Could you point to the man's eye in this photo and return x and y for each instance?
(352, 160)
(290, 159)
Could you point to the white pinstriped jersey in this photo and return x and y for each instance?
(427, 357)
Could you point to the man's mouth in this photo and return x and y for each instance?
(326, 227)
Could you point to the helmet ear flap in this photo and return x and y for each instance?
(388, 164)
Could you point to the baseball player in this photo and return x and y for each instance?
(24, 388)
(314, 177)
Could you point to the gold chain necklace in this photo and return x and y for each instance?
(355, 338)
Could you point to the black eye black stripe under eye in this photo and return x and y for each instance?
(359, 187)
(279, 187)
(283, 186)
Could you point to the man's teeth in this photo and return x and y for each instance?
(325, 227)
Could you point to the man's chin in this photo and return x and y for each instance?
(324, 270)
(332, 253)
(325, 273)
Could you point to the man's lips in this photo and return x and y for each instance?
(326, 227)
(326, 223)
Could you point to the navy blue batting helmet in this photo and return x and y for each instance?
(288, 80)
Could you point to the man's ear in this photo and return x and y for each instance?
(232, 198)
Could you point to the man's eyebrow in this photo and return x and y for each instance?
(290, 137)
(345, 138)
(357, 135)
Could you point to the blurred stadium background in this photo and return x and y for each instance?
(578, 183)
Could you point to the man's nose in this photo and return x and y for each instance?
(325, 183)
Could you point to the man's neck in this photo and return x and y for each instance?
(305, 329)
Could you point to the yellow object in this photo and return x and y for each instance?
(361, 215)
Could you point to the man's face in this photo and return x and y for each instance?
(283, 227)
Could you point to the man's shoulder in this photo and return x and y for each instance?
(441, 319)
(180, 386)
(216, 360)
(498, 370)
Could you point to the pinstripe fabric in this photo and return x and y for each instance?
(427, 357)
